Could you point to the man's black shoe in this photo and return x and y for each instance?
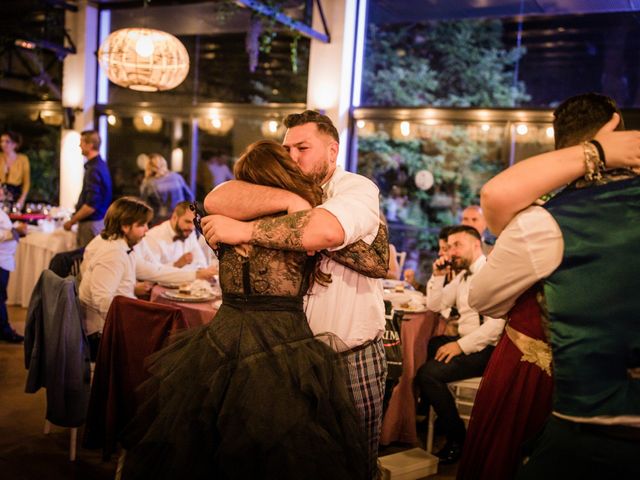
(11, 336)
(450, 453)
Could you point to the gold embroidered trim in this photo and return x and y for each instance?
(533, 351)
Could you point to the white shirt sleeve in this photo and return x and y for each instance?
(147, 268)
(440, 296)
(487, 334)
(199, 260)
(107, 273)
(355, 203)
(529, 249)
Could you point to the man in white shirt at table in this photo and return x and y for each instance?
(109, 267)
(174, 241)
(456, 357)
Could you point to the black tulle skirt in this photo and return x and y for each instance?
(251, 395)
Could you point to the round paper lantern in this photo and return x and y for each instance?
(424, 179)
(144, 59)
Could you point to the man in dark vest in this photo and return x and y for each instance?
(581, 245)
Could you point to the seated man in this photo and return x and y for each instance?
(174, 241)
(108, 267)
(462, 355)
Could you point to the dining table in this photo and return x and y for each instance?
(33, 255)
(195, 312)
(399, 421)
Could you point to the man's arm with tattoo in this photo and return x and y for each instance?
(369, 260)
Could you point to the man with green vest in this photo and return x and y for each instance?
(583, 246)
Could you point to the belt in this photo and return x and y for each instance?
(533, 350)
(617, 432)
(360, 347)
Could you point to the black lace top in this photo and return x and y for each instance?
(264, 271)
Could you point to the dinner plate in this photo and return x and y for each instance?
(187, 297)
(171, 286)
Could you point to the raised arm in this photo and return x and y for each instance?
(519, 186)
(245, 201)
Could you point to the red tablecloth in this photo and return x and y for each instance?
(399, 422)
(194, 313)
(26, 217)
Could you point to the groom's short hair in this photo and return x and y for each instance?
(323, 123)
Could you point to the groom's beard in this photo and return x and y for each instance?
(320, 173)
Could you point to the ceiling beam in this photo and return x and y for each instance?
(286, 20)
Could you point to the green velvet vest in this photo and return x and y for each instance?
(593, 300)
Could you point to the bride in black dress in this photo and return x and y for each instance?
(253, 394)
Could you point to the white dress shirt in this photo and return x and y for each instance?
(531, 248)
(8, 244)
(161, 244)
(108, 269)
(149, 268)
(528, 250)
(351, 306)
(474, 336)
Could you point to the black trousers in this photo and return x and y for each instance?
(432, 379)
(4, 316)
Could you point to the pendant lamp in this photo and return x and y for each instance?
(144, 59)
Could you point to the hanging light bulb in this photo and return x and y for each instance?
(144, 46)
(272, 129)
(144, 59)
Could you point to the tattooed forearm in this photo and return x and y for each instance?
(281, 233)
(369, 260)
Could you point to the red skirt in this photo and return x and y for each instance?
(512, 403)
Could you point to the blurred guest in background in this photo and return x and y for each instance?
(472, 216)
(162, 189)
(95, 196)
(15, 172)
(8, 245)
(174, 241)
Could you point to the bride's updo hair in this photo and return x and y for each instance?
(268, 163)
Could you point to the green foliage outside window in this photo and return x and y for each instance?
(436, 64)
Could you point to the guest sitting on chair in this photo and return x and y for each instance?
(108, 267)
(174, 241)
(462, 355)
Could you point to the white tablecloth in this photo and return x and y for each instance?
(33, 255)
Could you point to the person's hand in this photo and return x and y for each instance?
(441, 267)
(185, 259)
(67, 225)
(206, 273)
(143, 289)
(621, 149)
(218, 228)
(21, 228)
(446, 352)
(297, 204)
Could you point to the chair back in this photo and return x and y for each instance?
(133, 330)
(68, 263)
